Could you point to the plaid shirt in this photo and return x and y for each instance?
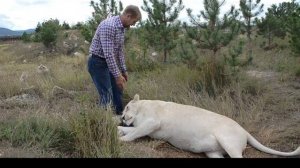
(108, 42)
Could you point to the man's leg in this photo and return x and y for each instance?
(100, 74)
(117, 96)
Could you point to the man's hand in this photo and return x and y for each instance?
(125, 75)
(121, 82)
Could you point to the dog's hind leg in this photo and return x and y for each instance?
(232, 146)
(232, 142)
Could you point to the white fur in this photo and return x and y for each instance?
(188, 128)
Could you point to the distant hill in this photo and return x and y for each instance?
(7, 32)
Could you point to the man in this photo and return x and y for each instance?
(106, 63)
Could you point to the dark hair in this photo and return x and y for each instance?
(133, 10)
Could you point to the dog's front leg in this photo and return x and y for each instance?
(144, 129)
(125, 130)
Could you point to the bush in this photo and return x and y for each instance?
(297, 73)
(294, 30)
(95, 134)
(38, 131)
(213, 77)
(137, 64)
(26, 37)
(49, 32)
(87, 32)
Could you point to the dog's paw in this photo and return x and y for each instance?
(125, 139)
(120, 132)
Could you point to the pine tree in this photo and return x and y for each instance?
(102, 10)
(162, 26)
(25, 37)
(279, 21)
(233, 60)
(294, 31)
(284, 11)
(142, 36)
(271, 25)
(214, 33)
(49, 32)
(66, 26)
(250, 11)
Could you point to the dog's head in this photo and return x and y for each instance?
(130, 111)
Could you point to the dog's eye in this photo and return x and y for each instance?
(127, 108)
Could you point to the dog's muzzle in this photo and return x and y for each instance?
(123, 123)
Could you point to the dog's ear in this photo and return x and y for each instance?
(136, 98)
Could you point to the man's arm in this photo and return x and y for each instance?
(106, 37)
(122, 60)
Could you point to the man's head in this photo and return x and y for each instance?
(130, 16)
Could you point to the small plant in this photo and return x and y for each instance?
(95, 134)
(26, 37)
(213, 77)
(37, 131)
(297, 72)
(234, 53)
(138, 64)
(49, 32)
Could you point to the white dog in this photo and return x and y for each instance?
(188, 128)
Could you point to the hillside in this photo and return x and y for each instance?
(7, 32)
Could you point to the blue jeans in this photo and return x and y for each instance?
(105, 83)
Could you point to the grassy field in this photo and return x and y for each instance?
(36, 120)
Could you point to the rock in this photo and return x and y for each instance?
(58, 92)
(20, 101)
(42, 69)
(24, 77)
(78, 54)
(32, 91)
(154, 54)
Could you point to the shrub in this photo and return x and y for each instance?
(95, 134)
(49, 32)
(26, 37)
(297, 73)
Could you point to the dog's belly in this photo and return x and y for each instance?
(188, 140)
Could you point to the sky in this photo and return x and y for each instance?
(25, 14)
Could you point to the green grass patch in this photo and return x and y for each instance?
(95, 134)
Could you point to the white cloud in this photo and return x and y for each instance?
(25, 14)
(30, 2)
(4, 21)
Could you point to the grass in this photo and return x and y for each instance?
(35, 131)
(88, 133)
(95, 134)
(297, 73)
(161, 84)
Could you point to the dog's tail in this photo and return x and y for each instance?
(252, 141)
